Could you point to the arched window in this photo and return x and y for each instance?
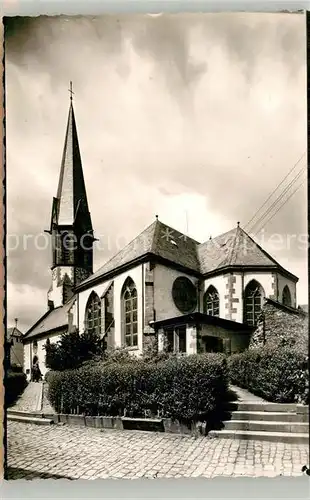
(35, 346)
(211, 302)
(286, 296)
(93, 314)
(67, 245)
(130, 313)
(253, 301)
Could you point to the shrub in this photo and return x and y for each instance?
(72, 350)
(118, 355)
(187, 388)
(278, 374)
(16, 368)
(15, 383)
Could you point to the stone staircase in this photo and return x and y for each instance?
(29, 407)
(285, 423)
(28, 417)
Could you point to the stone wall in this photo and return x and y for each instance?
(233, 341)
(279, 325)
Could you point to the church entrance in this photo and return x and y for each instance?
(212, 344)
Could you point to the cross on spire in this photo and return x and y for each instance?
(71, 91)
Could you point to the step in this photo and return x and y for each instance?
(278, 437)
(267, 407)
(30, 420)
(24, 413)
(143, 424)
(259, 425)
(270, 415)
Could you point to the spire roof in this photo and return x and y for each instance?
(71, 193)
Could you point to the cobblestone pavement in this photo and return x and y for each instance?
(31, 398)
(80, 452)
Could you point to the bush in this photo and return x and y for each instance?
(72, 350)
(277, 374)
(188, 388)
(16, 368)
(118, 355)
(15, 383)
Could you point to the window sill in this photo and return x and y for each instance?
(132, 348)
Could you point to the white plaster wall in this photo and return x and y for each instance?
(82, 301)
(264, 278)
(219, 282)
(27, 358)
(282, 282)
(238, 316)
(191, 340)
(136, 274)
(29, 354)
(56, 293)
(163, 301)
(73, 316)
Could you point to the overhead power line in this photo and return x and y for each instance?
(279, 198)
(279, 208)
(273, 192)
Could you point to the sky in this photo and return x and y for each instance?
(194, 117)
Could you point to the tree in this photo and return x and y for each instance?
(72, 350)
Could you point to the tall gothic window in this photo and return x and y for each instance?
(67, 245)
(253, 301)
(130, 313)
(286, 296)
(93, 314)
(211, 303)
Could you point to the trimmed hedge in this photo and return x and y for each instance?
(15, 383)
(187, 389)
(277, 374)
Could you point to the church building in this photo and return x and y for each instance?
(164, 288)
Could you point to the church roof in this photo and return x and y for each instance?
(157, 239)
(234, 248)
(54, 319)
(71, 200)
(14, 332)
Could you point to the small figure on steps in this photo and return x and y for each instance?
(36, 372)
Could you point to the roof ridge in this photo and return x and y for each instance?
(116, 254)
(235, 245)
(178, 231)
(155, 235)
(261, 249)
(40, 319)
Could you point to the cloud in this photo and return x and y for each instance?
(204, 113)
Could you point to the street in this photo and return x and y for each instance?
(79, 452)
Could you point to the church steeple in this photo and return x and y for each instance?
(71, 226)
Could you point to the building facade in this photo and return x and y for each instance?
(163, 288)
(15, 347)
